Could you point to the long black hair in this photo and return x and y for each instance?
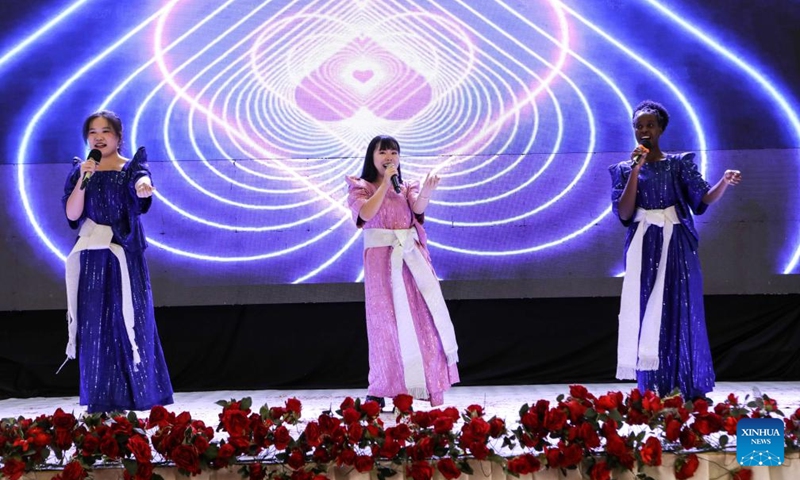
(369, 172)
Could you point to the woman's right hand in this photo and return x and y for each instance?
(638, 156)
(88, 166)
(389, 171)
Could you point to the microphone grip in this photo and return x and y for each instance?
(85, 181)
(396, 183)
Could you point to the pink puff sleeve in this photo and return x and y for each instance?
(358, 192)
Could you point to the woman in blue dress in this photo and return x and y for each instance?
(111, 321)
(663, 341)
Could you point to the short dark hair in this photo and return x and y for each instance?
(654, 108)
(113, 120)
(369, 172)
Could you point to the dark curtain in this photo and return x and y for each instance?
(502, 342)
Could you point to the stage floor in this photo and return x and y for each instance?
(503, 401)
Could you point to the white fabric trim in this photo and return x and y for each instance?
(404, 249)
(93, 236)
(639, 350)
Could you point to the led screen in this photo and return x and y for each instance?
(253, 113)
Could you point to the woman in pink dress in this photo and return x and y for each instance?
(412, 344)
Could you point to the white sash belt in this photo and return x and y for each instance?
(97, 237)
(404, 249)
(639, 350)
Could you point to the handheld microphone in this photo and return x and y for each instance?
(647, 146)
(95, 155)
(395, 180)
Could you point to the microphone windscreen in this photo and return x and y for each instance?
(646, 143)
(95, 155)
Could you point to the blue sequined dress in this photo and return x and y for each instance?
(109, 380)
(684, 353)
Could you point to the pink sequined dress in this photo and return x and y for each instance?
(386, 376)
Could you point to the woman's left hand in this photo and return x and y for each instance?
(429, 185)
(144, 190)
(732, 177)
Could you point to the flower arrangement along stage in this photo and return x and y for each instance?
(581, 434)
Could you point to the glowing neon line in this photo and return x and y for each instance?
(40, 32)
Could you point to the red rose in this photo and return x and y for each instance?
(63, 439)
(144, 471)
(553, 456)
(296, 459)
(689, 439)
(241, 444)
(234, 422)
(600, 471)
(616, 447)
(347, 457)
(448, 468)
(354, 432)
(652, 402)
(700, 406)
(478, 427)
(201, 444)
(730, 425)
(352, 415)
(524, 464)
(422, 419)
(479, 450)
(673, 430)
(530, 420)
(364, 463)
(140, 448)
(256, 471)
(609, 402)
(282, 438)
(742, 474)
(403, 403)
(121, 425)
(400, 432)
(371, 409)
(443, 425)
(390, 448)
(13, 469)
(73, 471)
(686, 466)
(347, 403)
(312, 434)
(707, 423)
(571, 454)
(579, 391)
(420, 471)
(159, 416)
(496, 427)
(321, 456)
(90, 445)
(576, 409)
(63, 420)
(588, 435)
(294, 406)
(224, 455)
(109, 447)
(186, 459)
(555, 419)
(651, 452)
(38, 438)
(276, 412)
(474, 411)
